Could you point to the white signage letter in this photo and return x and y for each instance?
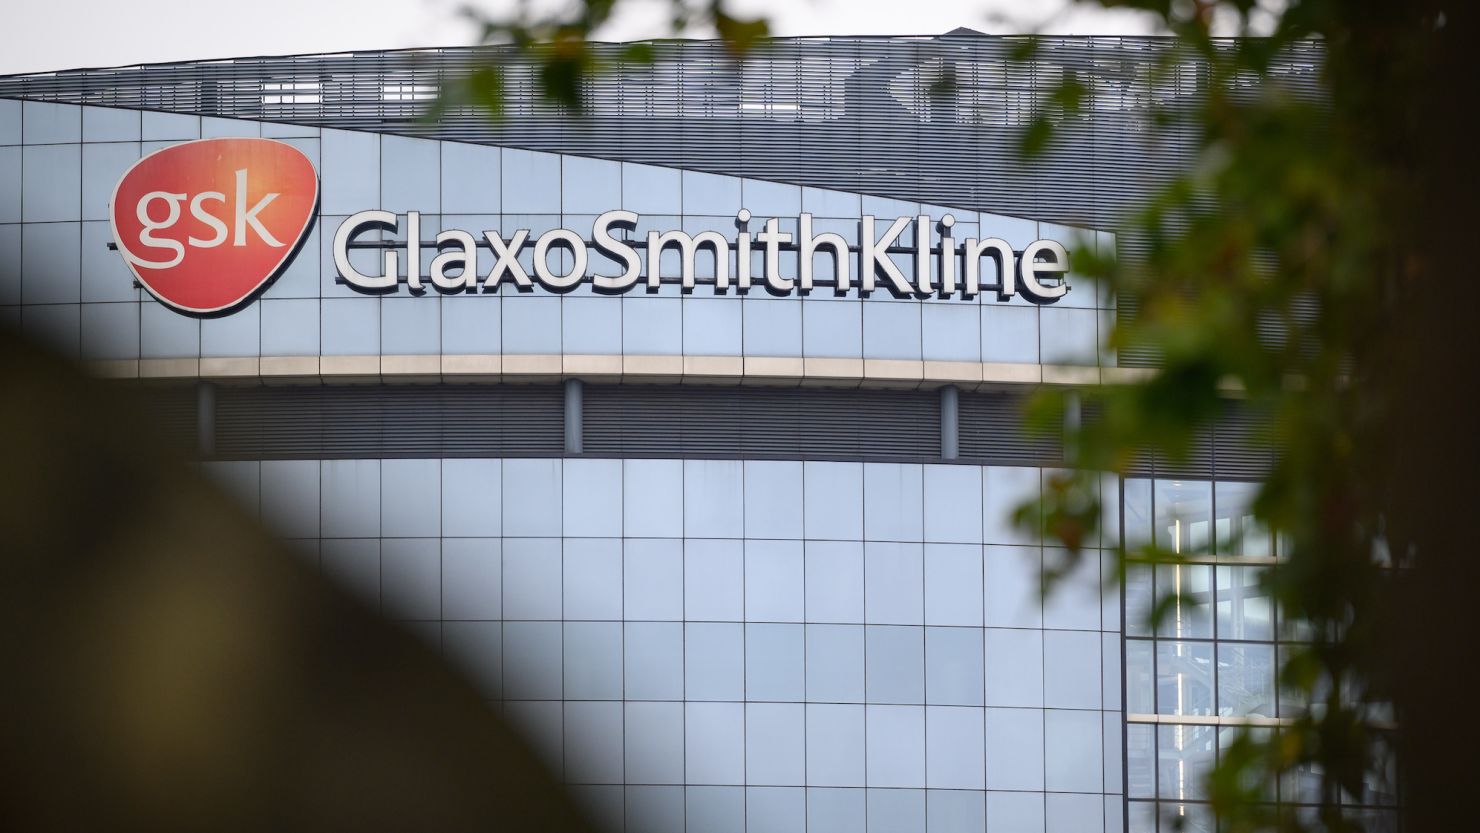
(507, 260)
(772, 237)
(688, 252)
(150, 226)
(464, 256)
(809, 246)
(246, 218)
(1032, 268)
(348, 230)
(198, 211)
(605, 242)
(874, 254)
(972, 251)
(542, 254)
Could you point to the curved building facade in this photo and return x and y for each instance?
(690, 428)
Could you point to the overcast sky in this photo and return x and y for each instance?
(41, 35)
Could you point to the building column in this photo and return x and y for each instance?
(573, 426)
(950, 422)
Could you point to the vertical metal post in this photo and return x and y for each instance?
(1072, 417)
(573, 428)
(950, 422)
(205, 418)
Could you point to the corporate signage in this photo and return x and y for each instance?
(206, 225)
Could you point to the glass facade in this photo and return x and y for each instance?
(1203, 647)
(761, 645)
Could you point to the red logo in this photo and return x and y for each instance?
(204, 225)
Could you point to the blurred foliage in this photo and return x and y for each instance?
(561, 48)
(170, 666)
(1275, 276)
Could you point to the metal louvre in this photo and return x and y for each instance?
(929, 119)
(755, 422)
(993, 431)
(388, 421)
(172, 412)
(669, 421)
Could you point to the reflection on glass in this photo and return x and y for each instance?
(1137, 512)
(1189, 612)
(1246, 680)
(1184, 754)
(1184, 678)
(1251, 780)
(1301, 784)
(1140, 757)
(1183, 515)
(1142, 817)
(1238, 532)
(1244, 609)
(1140, 677)
(1140, 599)
(1188, 818)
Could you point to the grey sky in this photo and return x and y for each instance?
(43, 35)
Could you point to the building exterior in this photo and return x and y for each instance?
(735, 553)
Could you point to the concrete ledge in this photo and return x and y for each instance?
(231, 368)
(965, 374)
(349, 365)
(169, 368)
(1125, 375)
(713, 369)
(893, 373)
(1070, 375)
(593, 368)
(652, 368)
(832, 372)
(531, 366)
(768, 370)
(1011, 374)
(289, 366)
(472, 366)
(114, 369)
(427, 366)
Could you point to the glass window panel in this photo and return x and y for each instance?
(1189, 614)
(1140, 675)
(1137, 512)
(1140, 599)
(1301, 784)
(1246, 680)
(1245, 610)
(1188, 818)
(1140, 757)
(1229, 736)
(1184, 754)
(1143, 817)
(1183, 519)
(1184, 678)
(1238, 533)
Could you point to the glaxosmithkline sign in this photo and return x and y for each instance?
(206, 225)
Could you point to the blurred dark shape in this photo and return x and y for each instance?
(169, 666)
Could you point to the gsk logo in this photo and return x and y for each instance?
(205, 225)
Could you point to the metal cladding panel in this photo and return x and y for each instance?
(388, 421)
